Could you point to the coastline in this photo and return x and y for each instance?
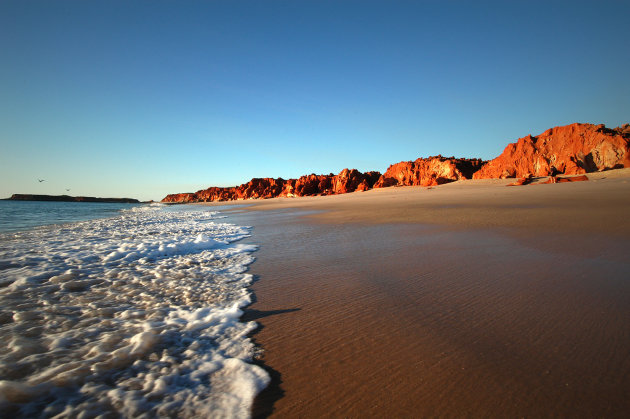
(68, 198)
(125, 314)
(466, 299)
(598, 206)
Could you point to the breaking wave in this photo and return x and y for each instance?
(132, 315)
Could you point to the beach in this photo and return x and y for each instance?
(467, 299)
(307, 209)
(112, 311)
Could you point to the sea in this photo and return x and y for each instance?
(123, 310)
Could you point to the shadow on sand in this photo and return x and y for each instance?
(265, 400)
(253, 315)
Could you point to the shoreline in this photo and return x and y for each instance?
(466, 299)
(68, 198)
(590, 207)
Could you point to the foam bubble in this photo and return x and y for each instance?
(132, 315)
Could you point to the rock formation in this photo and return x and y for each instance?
(571, 149)
(182, 198)
(254, 189)
(558, 179)
(552, 179)
(260, 188)
(430, 171)
(352, 180)
(526, 180)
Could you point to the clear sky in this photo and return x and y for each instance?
(145, 98)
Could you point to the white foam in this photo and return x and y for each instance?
(132, 315)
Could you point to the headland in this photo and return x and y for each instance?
(67, 198)
(573, 149)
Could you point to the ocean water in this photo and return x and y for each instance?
(134, 313)
(23, 215)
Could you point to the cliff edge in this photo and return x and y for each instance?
(571, 149)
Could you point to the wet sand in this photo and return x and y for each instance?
(469, 299)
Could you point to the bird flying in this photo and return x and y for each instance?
(41, 180)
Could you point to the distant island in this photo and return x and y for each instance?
(67, 198)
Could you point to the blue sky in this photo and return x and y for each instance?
(145, 98)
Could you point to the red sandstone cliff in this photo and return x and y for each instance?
(255, 188)
(309, 185)
(571, 149)
(431, 171)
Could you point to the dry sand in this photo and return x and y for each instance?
(467, 299)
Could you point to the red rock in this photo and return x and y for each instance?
(386, 182)
(349, 180)
(363, 186)
(552, 179)
(623, 130)
(179, 197)
(346, 181)
(523, 181)
(558, 179)
(431, 171)
(262, 188)
(312, 184)
(288, 189)
(570, 149)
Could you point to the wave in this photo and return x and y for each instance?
(134, 315)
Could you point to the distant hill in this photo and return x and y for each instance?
(66, 198)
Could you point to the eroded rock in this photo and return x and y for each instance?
(571, 149)
(429, 171)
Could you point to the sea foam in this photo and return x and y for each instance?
(136, 315)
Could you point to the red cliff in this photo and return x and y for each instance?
(430, 171)
(352, 180)
(571, 149)
(260, 188)
(179, 197)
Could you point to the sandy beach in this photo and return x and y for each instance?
(467, 299)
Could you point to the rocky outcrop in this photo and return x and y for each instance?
(526, 180)
(552, 179)
(262, 188)
(558, 179)
(182, 198)
(352, 180)
(430, 171)
(254, 189)
(313, 184)
(424, 172)
(67, 198)
(571, 149)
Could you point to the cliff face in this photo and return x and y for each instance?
(183, 198)
(571, 149)
(430, 171)
(259, 188)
